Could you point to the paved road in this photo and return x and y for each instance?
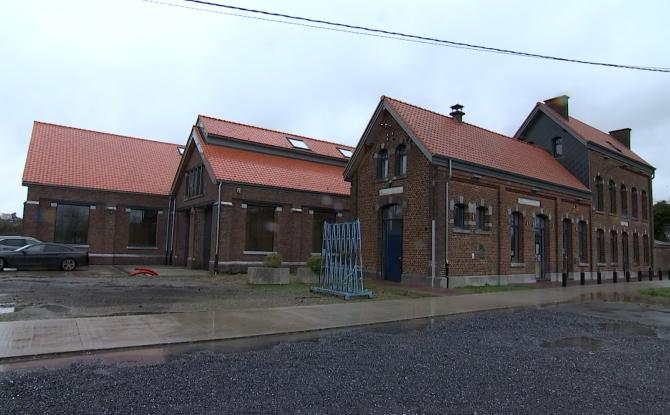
(527, 361)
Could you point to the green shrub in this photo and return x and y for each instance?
(273, 260)
(314, 263)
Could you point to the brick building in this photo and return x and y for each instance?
(105, 192)
(444, 201)
(259, 190)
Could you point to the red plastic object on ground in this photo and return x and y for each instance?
(143, 271)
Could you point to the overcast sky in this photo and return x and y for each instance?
(135, 68)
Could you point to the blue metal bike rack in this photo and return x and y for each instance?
(342, 261)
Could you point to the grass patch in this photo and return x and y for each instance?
(656, 292)
(471, 289)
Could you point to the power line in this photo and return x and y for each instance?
(362, 30)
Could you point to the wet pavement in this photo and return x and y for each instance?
(40, 337)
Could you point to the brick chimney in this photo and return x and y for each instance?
(560, 105)
(456, 112)
(622, 136)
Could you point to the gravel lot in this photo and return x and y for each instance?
(554, 360)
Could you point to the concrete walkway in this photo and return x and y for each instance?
(38, 337)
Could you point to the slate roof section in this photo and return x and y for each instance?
(242, 166)
(73, 157)
(444, 136)
(592, 134)
(267, 137)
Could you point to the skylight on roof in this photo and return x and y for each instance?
(298, 143)
(345, 152)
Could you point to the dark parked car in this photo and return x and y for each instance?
(44, 255)
(12, 243)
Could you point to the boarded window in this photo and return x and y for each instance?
(142, 228)
(318, 219)
(516, 237)
(260, 229)
(71, 224)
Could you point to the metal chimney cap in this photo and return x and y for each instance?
(457, 107)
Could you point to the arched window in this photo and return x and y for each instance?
(582, 240)
(382, 164)
(644, 202)
(614, 247)
(645, 249)
(516, 237)
(612, 189)
(636, 249)
(600, 196)
(624, 201)
(600, 241)
(401, 160)
(633, 202)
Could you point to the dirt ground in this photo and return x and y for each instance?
(108, 291)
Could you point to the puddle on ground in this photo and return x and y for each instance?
(582, 342)
(55, 308)
(624, 327)
(7, 308)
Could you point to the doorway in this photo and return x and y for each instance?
(392, 243)
(541, 250)
(207, 239)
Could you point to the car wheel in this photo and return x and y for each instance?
(68, 264)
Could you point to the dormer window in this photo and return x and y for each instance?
(180, 150)
(558, 147)
(345, 152)
(298, 143)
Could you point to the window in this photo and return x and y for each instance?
(633, 202)
(298, 143)
(14, 243)
(260, 229)
(318, 219)
(612, 196)
(35, 249)
(193, 182)
(401, 160)
(624, 201)
(614, 247)
(345, 152)
(71, 224)
(459, 216)
(481, 218)
(645, 249)
(582, 240)
(645, 203)
(600, 241)
(382, 164)
(600, 197)
(142, 228)
(558, 147)
(516, 237)
(636, 248)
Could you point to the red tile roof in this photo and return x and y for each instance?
(72, 157)
(592, 134)
(268, 137)
(444, 136)
(242, 166)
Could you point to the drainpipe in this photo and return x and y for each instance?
(446, 224)
(173, 224)
(650, 218)
(167, 231)
(218, 230)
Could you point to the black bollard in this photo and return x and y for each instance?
(651, 274)
(600, 277)
(564, 279)
(614, 277)
(582, 278)
(660, 275)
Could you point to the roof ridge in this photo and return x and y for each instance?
(108, 133)
(276, 131)
(451, 118)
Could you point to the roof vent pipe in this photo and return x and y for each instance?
(456, 112)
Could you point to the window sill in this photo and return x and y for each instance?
(258, 252)
(582, 264)
(481, 232)
(601, 264)
(517, 264)
(141, 247)
(461, 230)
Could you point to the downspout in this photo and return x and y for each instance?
(650, 216)
(173, 224)
(167, 231)
(446, 224)
(218, 230)
(432, 230)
